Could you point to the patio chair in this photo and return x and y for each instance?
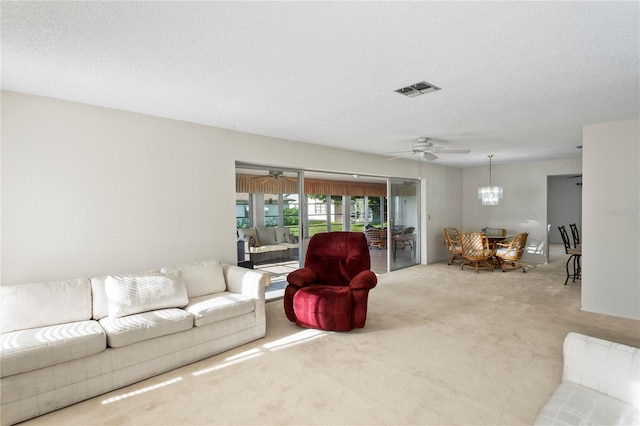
(408, 231)
(376, 238)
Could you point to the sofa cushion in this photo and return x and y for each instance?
(266, 235)
(35, 305)
(506, 252)
(123, 331)
(269, 248)
(573, 404)
(218, 307)
(326, 307)
(33, 348)
(201, 278)
(133, 294)
(245, 233)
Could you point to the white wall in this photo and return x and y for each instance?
(610, 219)
(441, 209)
(524, 206)
(89, 191)
(564, 205)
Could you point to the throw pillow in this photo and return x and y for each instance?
(245, 233)
(201, 278)
(282, 235)
(133, 294)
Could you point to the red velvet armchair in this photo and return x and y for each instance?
(331, 291)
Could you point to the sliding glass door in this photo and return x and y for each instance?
(404, 223)
(275, 203)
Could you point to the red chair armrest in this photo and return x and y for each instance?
(365, 280)
(301, 277)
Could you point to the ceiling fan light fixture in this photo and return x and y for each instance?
(490, 195)
(429, 155)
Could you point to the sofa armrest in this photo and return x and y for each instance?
(607, 367)
(245, 281)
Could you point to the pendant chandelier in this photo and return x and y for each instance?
(490, 195)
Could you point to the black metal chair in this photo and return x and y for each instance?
(574, 254)
(575, 234)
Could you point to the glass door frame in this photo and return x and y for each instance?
(396, 199)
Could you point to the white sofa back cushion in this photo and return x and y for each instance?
(266, 235)
(607, 367)
(133, 294)
(34, 305)
(201, 278)
(100, 302)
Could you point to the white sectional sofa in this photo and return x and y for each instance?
(600, 385)
(66, 341)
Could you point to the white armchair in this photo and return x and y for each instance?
(600, 385)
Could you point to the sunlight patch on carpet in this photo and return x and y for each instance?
(140, 391)
(294, 339)
(232, 360)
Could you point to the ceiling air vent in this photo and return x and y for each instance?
(417, 89)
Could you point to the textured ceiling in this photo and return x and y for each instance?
(518, 79)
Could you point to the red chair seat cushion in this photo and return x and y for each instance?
(324, 307)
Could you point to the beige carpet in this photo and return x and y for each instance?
(441, 346)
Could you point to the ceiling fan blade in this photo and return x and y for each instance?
(265, 180)
(290, 179)
(454, 151)
(399, 152)
(401, 156)
(430, 156)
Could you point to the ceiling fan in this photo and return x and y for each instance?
(425, 148)
(275, 175)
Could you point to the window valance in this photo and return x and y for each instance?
(263, 184)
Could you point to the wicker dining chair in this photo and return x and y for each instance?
(509, 253)
(452, 241)
(476, 251)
